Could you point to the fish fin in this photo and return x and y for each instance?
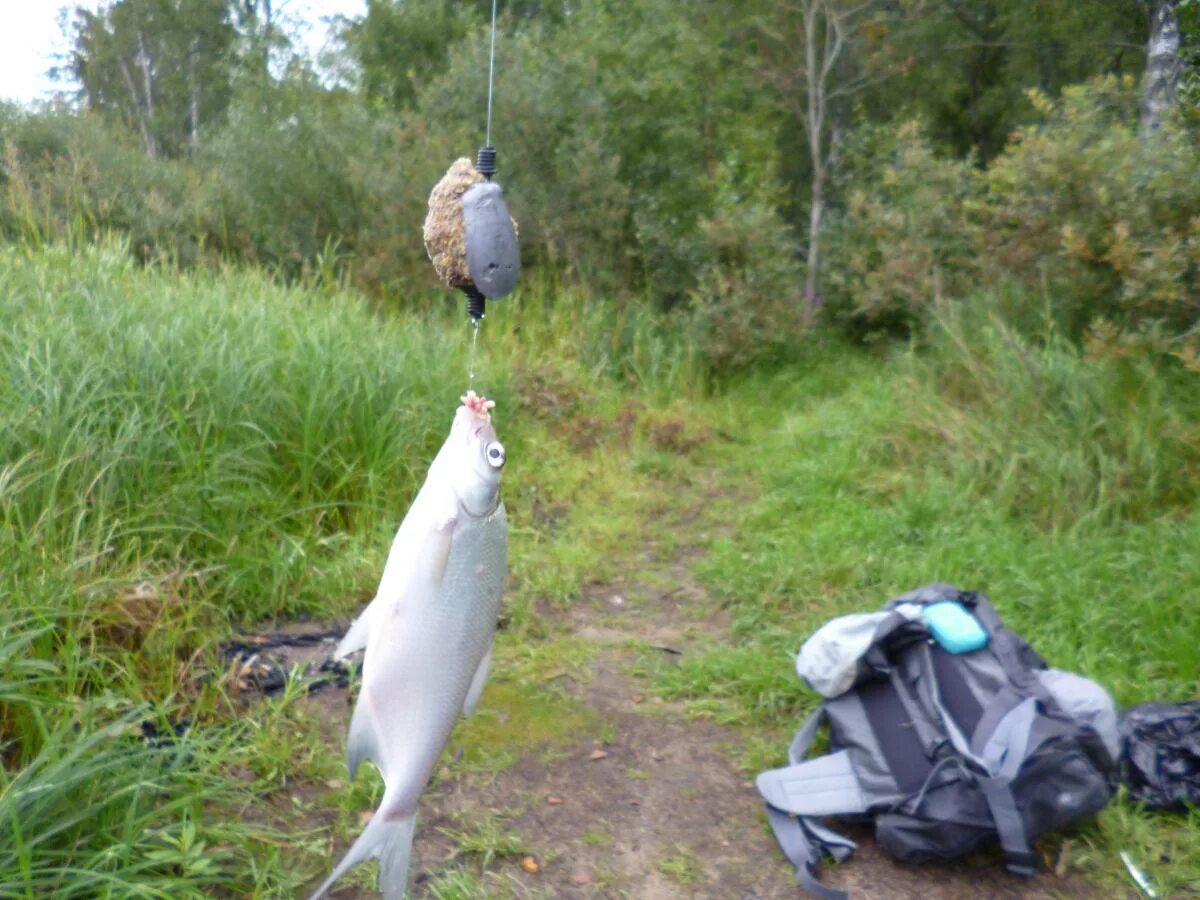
(476, 689)
(394, 857)
(356, 635)
(363, 742)
(437, 548)
(388, 840)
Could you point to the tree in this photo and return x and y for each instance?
(1163, 65)
(255, 22)
(1188, 12)
(807, 58)
(400, 45)
(963, 67)
(163, 66)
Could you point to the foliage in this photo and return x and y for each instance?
(1048, 433)
(971, 93)
(278, 177)
(176, 430)
(747, 308)
(399, 45)
(98, 812)
(642, 154)
(611, 176)
(160, 66)
(78, 178)
(187, 454)
(906, 234)
(1188, 14)
(181, 448)
(1081, 207)
(194, 444)
(1106, 217)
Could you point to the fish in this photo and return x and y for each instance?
(427, 635)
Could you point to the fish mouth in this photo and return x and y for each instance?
(477, 404)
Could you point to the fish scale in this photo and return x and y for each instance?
(436, 651)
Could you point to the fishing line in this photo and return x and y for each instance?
(491, 76)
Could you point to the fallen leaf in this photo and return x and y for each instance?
(530, 865)
(638, 698)
(554, 801)
(597, 754)
(334, 784)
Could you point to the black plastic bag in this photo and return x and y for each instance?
(1160, 754)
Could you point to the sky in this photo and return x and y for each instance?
(30, 38)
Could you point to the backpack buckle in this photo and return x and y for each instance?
(1021, 862)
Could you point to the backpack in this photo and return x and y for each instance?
(944, 737)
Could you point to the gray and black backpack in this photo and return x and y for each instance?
(946, 731)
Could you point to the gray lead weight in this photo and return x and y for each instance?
(492, 255)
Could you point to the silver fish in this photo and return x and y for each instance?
(428, 635)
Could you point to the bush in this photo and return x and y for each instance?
(905, 237)
(1094, 218)
(1102, 216)
(747, 307)
(74, 177)
(611, 138)
(277, 175)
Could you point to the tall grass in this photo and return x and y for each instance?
(178, 454)
(1051, 435)
(548, 324)
(182, 454)
(221, 428)
(98, 813)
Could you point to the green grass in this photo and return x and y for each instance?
(1062, 487)
(101, 812)
(487, 839)
(681, 867)
(183, 455)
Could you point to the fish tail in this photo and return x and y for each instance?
(389, 840)
(394, 857)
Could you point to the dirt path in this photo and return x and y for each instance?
(656, 809)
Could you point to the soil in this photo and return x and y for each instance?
(662, 811)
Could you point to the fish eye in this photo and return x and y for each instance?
(494, 452)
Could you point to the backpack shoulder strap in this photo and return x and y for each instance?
(824, 786)
(805, 735)
(798, 838)
(798, 793)
(996, 749)
(1004, 752)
